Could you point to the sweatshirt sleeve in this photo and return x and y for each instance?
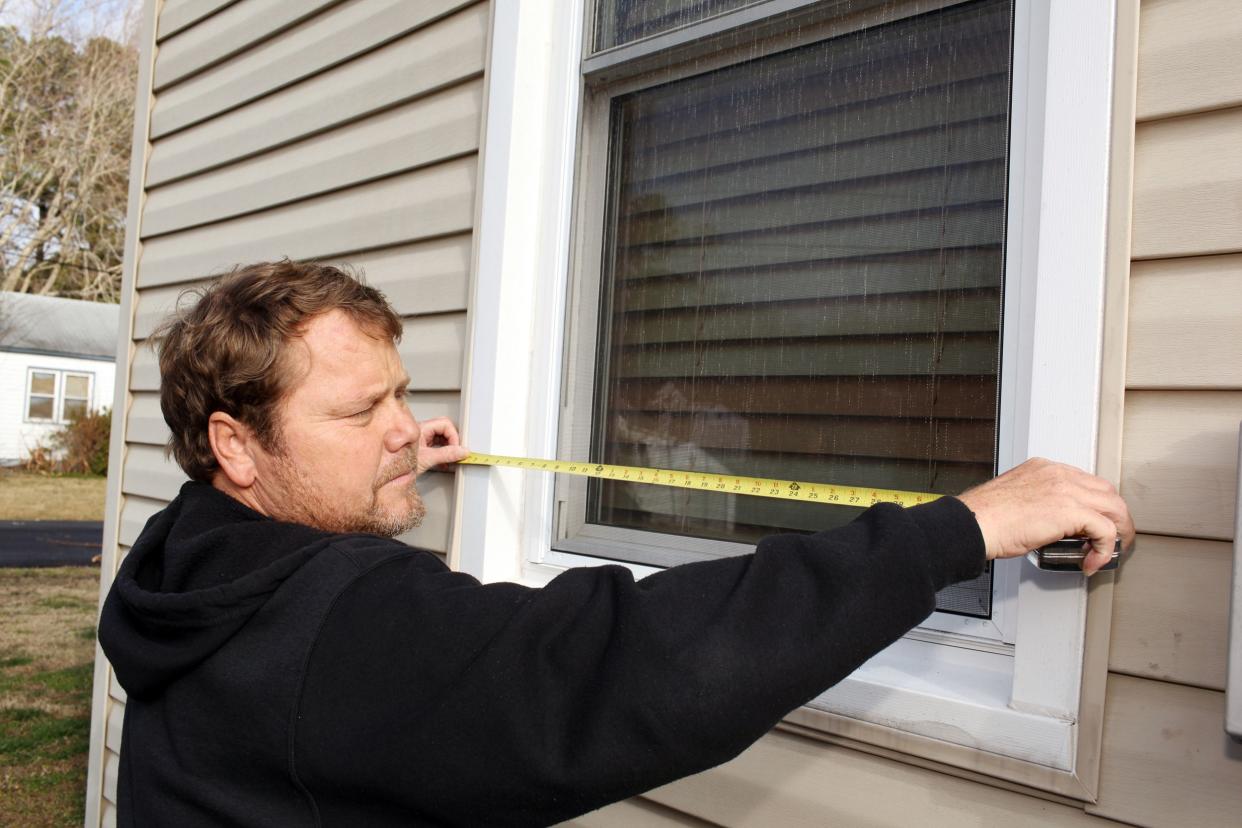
(429, 695)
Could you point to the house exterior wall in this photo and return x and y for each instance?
(344, 132)
(268, 139)
(18, 435)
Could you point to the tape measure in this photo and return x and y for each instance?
(826, 493)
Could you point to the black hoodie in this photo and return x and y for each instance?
(278, 675)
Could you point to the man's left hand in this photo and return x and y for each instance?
(439, 446)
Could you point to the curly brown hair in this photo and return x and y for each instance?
(226, 352)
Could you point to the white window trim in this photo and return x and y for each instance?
(64, 386)
(61, 376)
(1022, 708)
(56, 383)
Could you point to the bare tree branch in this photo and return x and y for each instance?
(66, 112)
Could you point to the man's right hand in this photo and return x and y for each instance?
(1040, 502)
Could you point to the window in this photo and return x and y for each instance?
(41, 404)
(802, 270)
(77, 396)
(566, 239)
(57, 396)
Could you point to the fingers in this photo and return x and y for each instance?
(440, 457)
(440, 445)
(439, 431)
(1039, 502)
(1101, 534)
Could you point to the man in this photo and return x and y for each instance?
(287, 663)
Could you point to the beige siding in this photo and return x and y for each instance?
(1188, 185)
(435, 57)
(176, 15)
(1179, 461)
(1166, 759)
(291, 56)
(635, 812)
(1189, 56)
(1173, 634)
(1185, 317)
(340, 131)
(232, 30)
(790, 781)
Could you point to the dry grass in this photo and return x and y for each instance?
(47, 650)
(33, 496)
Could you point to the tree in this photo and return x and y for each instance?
(66, 120)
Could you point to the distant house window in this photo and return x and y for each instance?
(42, 400)
(76, 400)
(57, 396)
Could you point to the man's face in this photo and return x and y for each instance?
(347, 449)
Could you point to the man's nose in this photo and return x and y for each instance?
(404, 431)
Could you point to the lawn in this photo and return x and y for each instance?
(34, 496)
(47, 649)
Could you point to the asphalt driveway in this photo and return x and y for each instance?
(49, 542)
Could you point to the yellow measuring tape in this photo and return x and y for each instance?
(829, 493)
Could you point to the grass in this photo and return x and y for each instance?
(34, 496)
(47, 651)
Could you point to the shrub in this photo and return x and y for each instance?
(79, 447)
(82, 445)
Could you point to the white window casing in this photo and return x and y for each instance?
(61, 394)
(1017, 705)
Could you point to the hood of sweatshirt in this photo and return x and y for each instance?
(199, 570)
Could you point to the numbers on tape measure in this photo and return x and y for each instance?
(706, 481)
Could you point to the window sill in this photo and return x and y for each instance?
(950, 694)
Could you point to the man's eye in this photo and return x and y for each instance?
(364, 412)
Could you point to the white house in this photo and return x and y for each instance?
(57, 359)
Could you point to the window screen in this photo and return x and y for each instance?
(624, 21)
(802, 277)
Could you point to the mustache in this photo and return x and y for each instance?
(405, 464)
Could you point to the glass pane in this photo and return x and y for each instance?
(77, 386)
(623, 21)
(74, 408)
(40, 408)
(42, 383)
(803, 276)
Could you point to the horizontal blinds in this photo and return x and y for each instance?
(803, 272)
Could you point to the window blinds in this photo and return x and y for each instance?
(803, 275)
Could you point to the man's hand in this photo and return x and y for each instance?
(1040, 502)
(439, 446)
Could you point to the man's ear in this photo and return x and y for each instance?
(234, 445)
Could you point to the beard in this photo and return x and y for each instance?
(310, 505)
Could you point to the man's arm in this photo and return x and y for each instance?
(430, 694)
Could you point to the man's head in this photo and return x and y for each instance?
(282, 386)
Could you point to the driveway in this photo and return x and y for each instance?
(49, 542)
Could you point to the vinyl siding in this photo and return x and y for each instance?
(345, 132)
(1166, 758)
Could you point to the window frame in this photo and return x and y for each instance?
(576, 540)
(64, 391)
(59, 394)
(31, 395)
(1015, 719)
